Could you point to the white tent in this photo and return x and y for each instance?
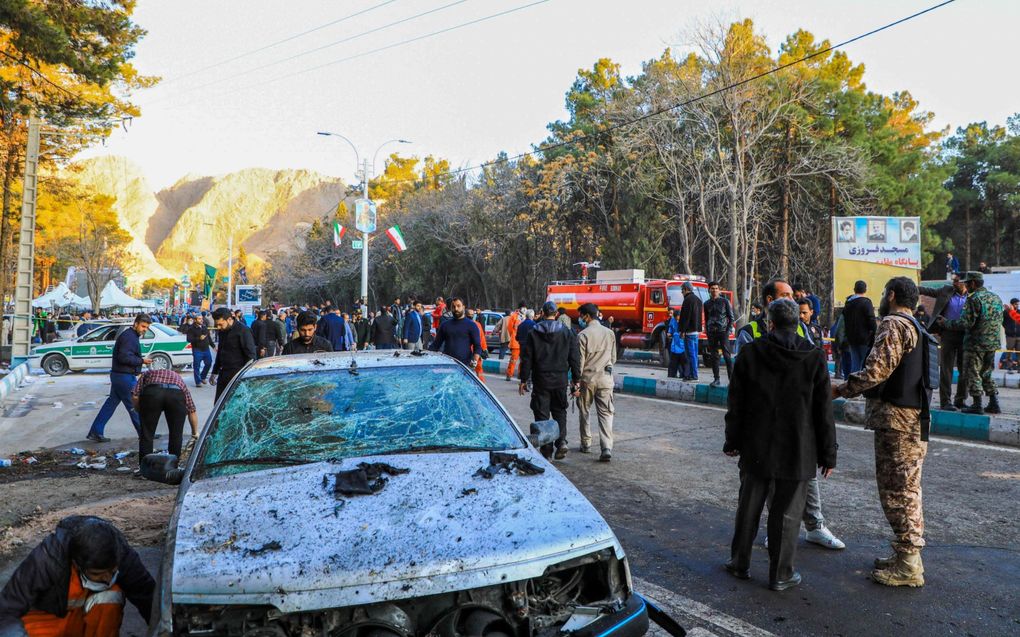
(61, 296)
(113, 296)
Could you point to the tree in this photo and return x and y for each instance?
(157, 286)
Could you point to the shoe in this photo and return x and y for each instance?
(97, 438)
(960, 403)
(975, 408)
(824, 537)
(606, 456)
(157, 436)
(714, 383)
(561, 453)
(783, 584)
(736, 572)
(993, 405)
(885, 563)
(765, 542)
(907, 570)
(585, 449)
(948, 407)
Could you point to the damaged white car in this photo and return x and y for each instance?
(375, 495)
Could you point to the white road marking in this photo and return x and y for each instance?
(679, 606)
(939, 439)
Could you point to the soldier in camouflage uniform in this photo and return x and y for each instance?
(981, 320)
(899, 450)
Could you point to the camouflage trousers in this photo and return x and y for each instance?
(977, 372)
(899, 457)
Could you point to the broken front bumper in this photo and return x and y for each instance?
(629, 621)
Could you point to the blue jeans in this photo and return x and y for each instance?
(690, 369)
(201, 358)
(858, 353)
(121, 386)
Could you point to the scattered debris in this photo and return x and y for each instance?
(120, 455)
(58, 405)
(367, 479)
(76, 451)
(94, 462)
(467, 492)
(265, 548)
(500, 462)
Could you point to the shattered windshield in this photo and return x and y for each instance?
(333, 414)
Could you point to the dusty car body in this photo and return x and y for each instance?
(276, 551)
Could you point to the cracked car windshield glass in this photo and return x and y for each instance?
(333, 414)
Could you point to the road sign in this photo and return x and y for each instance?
(364, 215)
(357, 244)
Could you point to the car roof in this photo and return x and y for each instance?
(325, 361)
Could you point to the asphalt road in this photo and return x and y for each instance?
(670, 494)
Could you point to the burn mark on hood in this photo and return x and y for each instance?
(501, 462)
(368, 478)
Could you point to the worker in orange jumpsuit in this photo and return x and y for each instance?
(74, 584)
(512, 322)
(480, 361)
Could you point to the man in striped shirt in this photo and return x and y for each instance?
(163, 392)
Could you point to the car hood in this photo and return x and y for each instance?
(281, 537)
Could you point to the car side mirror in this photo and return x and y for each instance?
(161, 467)
(544, 432)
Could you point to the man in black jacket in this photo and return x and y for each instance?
(74, 584)
(307, 341)
(126, 365)
(779, 422)
(689, 324)
(718, 321)
(201, 354)
(382, 332)
(548, 354)
(859, 318)
(237, 348)
(949, 302)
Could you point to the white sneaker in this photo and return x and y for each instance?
(824, 537)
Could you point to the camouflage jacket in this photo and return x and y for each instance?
(896, 336)
(982, 319)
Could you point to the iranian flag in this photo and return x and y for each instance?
(338, 233)
(397, 238)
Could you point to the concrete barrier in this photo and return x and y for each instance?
(13, 378)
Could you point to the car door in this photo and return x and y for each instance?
(95, 349)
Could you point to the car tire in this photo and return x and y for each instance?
(55, 365)
(161, 361)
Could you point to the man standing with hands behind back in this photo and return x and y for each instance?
(597, 350)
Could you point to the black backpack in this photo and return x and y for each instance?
(930, 372)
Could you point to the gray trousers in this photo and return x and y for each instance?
(783, 522)
(812, 517)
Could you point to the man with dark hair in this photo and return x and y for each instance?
(307, 341)
(332, 328)
(126, 365)
(893, 379)
(982, 320)
(779, 422)
(563, 317)
(459, 337)
(800, 291)
(548, 355)
(74, 584)
(237, 349)
(859, 318)
(413, 327)
(201, 354)
(596, 346)
(950, 300)
(264, 333)
(718, 321)
(689, 324)
(814, 331)
(382, 332)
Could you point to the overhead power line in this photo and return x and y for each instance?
(40, 74)
(277, 43)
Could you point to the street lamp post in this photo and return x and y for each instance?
(365, 175)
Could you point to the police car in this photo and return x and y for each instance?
(167, 348)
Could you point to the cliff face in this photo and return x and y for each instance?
(193, 220)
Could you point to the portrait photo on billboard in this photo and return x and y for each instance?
(847, 231)
(876, 230)
(908, 232)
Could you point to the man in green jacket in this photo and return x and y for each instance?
(981, 320)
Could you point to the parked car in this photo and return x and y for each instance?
(67, 328)
(94, 350)
(346, 494)
(490, 321)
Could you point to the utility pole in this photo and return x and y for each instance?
(364, 239)
(230, 269)
(22, 343)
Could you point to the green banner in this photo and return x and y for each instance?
(210, 280)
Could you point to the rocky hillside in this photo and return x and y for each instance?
(192, 221)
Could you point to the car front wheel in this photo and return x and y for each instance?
(55, 365)
(161, 361)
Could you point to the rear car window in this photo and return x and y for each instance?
(332, 414)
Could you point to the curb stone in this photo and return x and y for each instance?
(11, 381)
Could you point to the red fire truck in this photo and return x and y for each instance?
(640, 307)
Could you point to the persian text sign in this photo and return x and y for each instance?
(893, 241)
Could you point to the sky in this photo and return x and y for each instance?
(471, 92)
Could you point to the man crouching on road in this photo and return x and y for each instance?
(74, 584)
(893, 371)
(779, 421)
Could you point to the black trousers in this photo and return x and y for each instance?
(950, 354)
(783, 524)
(551, 401)
(719, 341)
(223, 379)
(161, 401)
(676, 364)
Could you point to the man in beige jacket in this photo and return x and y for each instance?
(597, 345)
